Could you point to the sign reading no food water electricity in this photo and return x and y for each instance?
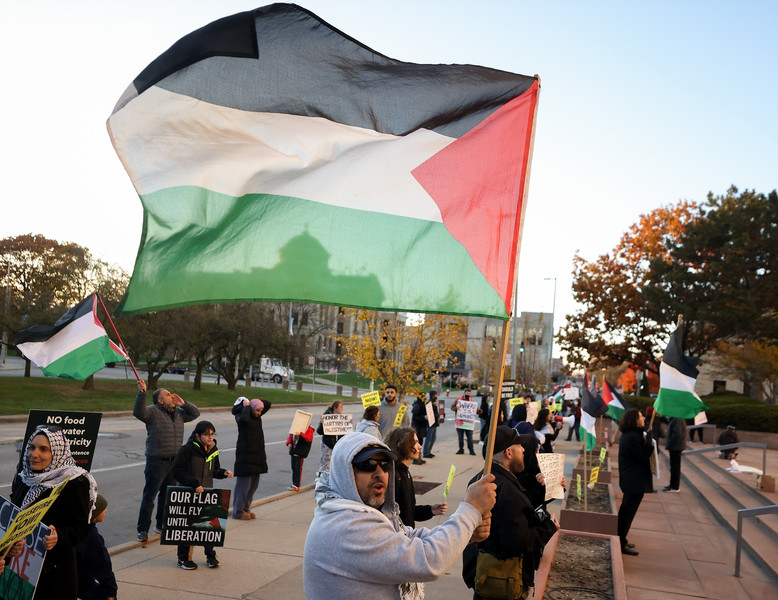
(80, 428)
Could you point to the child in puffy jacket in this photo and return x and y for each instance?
(299, 446)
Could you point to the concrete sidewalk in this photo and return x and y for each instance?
(684, 553)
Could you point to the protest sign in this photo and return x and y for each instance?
(195, 519)
(80, 428)
(578, 486)
(371, 399)
(654, 460)
(553, 467)
(26, 520)
(514, 402)
(430, 413)
(20, 576)
(301, 422)
(335, 424)
(449, 481)
(400, 414)
(571, 393)
(508, 390)
(593, 476)
(603, 454)
(466, 412)
(532, 411)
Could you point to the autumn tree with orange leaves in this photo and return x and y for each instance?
(612, 326)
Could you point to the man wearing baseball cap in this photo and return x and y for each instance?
(357, 547)
(518, 529)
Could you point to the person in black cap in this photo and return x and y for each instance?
(96, 580)
(517, 529)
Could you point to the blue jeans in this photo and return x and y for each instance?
(245, 487)
(429, 440)
(159, 475)
(460, 434)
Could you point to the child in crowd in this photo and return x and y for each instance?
(195, 465)
(299, 446)
(96, 580)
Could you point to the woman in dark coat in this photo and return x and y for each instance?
(404, 442)
(47, 463)
(635, 449)
(250, 457)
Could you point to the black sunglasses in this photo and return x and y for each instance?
(370, 465)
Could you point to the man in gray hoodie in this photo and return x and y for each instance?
(358, 548)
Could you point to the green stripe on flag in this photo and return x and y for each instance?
(84, 360)
(678, 403)
(327, 253)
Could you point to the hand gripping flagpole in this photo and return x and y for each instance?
(118, 337)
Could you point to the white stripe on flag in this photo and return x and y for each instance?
(671, 378)
(81, 331)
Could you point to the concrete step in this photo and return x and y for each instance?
(724, 495)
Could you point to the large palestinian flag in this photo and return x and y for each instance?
(75, 347)
(677, 377)
(277, 158)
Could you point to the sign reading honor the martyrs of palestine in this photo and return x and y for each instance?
(20, 576)
(337, 424)
(80, 428)
(371, 399)
(195, 519)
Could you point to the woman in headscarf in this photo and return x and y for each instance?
(47, 463)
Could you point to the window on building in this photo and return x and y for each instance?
(719, 385)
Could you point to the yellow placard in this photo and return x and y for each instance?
(400, 413)
(513, 402)
(578, 485)
(594, 475)
(371, 399)
(27, 520)
(603, 453)
(449, 481)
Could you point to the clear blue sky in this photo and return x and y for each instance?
(642, 104)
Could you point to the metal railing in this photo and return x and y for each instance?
(744, 513)
(761, 445)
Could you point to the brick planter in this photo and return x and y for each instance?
(549, 552)
(576, 519)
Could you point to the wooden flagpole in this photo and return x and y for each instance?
(506, 325)
(118, 337)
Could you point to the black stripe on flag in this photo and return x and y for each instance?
(284, 59)
(674, 356)
(41, 333)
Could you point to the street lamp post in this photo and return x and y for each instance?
(553, 310)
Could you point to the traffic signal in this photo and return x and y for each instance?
(494, 344)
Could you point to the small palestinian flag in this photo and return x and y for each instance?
(616, 404)
(592, 407)
(677, 376)
(278, 158)
(75, 347)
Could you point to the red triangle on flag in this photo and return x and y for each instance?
(477, 182)
(215, 523)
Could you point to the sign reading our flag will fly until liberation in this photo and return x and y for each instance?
(260, 143)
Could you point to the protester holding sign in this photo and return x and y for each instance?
(433, 418)
(369, 422)
(299, 445)
(404, 442)
(328, 441)
(465, 411)
(48, 463)
(195, 466)
(250, 457)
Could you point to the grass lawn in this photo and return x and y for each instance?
(20, 394)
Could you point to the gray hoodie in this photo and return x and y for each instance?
(354, 551)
